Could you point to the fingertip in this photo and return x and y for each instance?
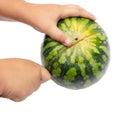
(46, 78)
(88, 15)
(67, 42)
(93, 17)
(45, 75)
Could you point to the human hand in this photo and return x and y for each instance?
(44, 18)
(19, 78)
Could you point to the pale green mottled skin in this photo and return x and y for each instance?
(82, 64)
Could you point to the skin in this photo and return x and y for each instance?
(19, 78)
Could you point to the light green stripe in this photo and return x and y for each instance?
(73, 56)
(87, 55)
(104, 49)
(82, 25)
(101, 37)
(95, 66)
(67, 22)
(56, 72)
(70, 74)
(74, 25)
(53, 53)
(49, 45)
(104, 58)
(93, 26)
(82, 69)
(80, 59)
(68, 52)
(63, 27)
(62, 59)
(95, 50)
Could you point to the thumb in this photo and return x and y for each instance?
(59, 36)
(45, 75)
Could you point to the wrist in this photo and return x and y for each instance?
(13, 9)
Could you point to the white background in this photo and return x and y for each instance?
(20, 40)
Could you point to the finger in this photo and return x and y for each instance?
(59, 36)
(44, 75)
(75, 10)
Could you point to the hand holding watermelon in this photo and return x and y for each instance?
(44, 18)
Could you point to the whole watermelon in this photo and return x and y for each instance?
(85, 61)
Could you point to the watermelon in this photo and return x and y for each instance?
(85, 61)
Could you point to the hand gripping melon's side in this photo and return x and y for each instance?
(82, 64)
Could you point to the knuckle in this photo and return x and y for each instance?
(61, 36)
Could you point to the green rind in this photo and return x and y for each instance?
(82, 64)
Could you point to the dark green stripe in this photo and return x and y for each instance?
(48, 50)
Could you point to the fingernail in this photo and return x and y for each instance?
(93, 17)
(67, 42)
